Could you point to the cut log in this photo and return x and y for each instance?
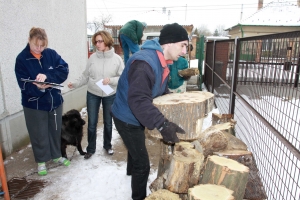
(184, 171)
(163, 195)
(227, 172)
(187, 110)
(210, 192)
(254, 188)
(189, 72)
(211, 140)
(166, 154)
(228, 131)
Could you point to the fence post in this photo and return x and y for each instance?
(297, 72)
(213, 68)
(234, 75)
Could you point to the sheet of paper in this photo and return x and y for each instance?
(106, 88)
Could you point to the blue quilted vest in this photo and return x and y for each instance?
(120, 107)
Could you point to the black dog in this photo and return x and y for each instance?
(71, 131)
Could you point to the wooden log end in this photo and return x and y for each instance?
(163, 194)
(210, 192)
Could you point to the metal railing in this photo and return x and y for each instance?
(257, 80)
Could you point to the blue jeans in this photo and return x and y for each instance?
(93, 105)
(127, 45)
(138, 164)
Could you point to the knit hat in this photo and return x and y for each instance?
(172, 33)
(144, 24)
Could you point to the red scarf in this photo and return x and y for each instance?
(164, 63)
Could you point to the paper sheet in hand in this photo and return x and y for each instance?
(106, 88)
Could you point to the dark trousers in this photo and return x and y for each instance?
(138, 164)
(93, 104)
(44, 130)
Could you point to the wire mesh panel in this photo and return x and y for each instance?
(258, 82)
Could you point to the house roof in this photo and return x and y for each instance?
(152, 18)
(279, 13)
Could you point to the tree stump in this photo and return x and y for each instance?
(189, 72)
(254, 188)
(210, 192)
(187, 110)
(184, 171)
(163, 195)
(227, 172)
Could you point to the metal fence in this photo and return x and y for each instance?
(257, 80)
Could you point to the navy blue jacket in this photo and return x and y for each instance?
(28, 67)
(140, 82)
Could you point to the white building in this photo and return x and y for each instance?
(65, 24)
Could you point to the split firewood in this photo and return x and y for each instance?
(254, 188)
(210, 192)
(227, 172)
(222, 118)
(228, 131)
(187, 110)
(166, 156)
(211, 140)
(163, 195)
(184, 171)
(189, 72)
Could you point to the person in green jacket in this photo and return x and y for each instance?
(130, 36)
(176, 82)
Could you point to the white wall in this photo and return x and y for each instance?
(65, 25)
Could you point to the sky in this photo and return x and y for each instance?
(212, 14)
(100, 178)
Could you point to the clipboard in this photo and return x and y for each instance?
(47, 83)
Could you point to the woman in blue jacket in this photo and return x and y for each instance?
(42, 103)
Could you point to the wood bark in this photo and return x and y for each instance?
(189, 72)
(210, 192)
(163, 195)
(254, 188)
(187, 110)
(184, 171)
(227, 172)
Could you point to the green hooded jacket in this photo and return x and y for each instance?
(134, 30)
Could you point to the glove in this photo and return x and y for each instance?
(168, 131)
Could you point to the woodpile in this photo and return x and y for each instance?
(209, 164)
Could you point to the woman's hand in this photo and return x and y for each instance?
(41, 77)
(106, 81)
(70, 85)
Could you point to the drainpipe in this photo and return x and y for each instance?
(241, 29)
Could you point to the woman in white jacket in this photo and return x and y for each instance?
(107, 66)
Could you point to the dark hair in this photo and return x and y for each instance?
(106, 37)
(38, 34)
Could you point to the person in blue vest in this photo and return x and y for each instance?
(144, 78)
